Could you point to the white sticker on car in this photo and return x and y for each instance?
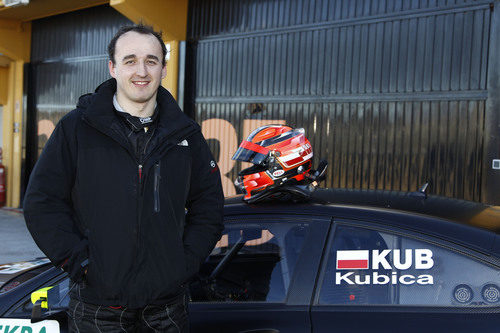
(24, 325)
(376, 259)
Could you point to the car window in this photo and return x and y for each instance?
(252, 262)
(367, 266)
(24, 309)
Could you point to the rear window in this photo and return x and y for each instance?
(372, 267)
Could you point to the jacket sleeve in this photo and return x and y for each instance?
(204, 205)
(48, 209)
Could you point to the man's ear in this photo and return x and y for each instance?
(111, 67)
(164, 71)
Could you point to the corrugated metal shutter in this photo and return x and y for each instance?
(392, 93)
(69, 59)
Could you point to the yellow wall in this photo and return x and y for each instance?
(12, 133)
(4, 75)
(169, 16)
(171, 80)
(15, 37)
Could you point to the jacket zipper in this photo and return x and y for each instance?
(157, 188)
(140, 176)
(139, 211)
(141, 191)
(147, 143)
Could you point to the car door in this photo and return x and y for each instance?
(266, 279)
(380, 279)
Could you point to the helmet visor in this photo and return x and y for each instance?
(247, 155)
(251, 152)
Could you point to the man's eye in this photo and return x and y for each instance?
(151, 62)
(128, 62)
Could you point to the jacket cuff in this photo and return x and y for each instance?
(77, 262)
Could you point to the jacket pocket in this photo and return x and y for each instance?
(92, 277)
(156, 194)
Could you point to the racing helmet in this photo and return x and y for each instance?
(280, 155)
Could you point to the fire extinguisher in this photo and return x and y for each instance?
(2, 181)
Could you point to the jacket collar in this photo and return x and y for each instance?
(98, 111)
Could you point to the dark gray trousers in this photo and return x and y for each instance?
(168, 318)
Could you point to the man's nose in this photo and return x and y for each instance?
(141, 69)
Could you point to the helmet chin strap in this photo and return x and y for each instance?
(319, 174)
(293, 191)
(253, 169)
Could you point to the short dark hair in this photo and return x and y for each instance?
(139, 28)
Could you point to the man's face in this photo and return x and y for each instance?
(138, 68)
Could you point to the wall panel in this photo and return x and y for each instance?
(392, 93)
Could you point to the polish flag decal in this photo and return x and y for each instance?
(356, 259)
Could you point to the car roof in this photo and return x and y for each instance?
(12, 270)
(470, 224)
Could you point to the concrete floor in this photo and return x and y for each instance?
(16, 243)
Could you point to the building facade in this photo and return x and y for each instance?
(392, 93)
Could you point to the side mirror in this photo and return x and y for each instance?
(44, 298)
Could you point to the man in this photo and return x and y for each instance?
(126, 196)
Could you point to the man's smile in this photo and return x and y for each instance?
(140, 83)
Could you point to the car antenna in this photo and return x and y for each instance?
(421, 192)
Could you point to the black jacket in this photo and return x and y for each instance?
(144, 226)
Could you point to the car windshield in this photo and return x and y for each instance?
(24, 308)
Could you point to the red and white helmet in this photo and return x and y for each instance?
(280, 155)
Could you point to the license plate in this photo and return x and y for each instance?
(8, 325)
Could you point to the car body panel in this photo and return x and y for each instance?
(240, 317)
(331, 319)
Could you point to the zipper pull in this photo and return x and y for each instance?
(140, 174)
(156, 193)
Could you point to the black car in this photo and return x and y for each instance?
(336, 261)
